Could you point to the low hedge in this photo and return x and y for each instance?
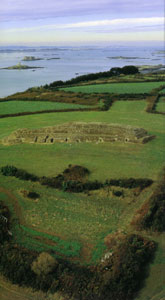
(18, 173)
(151, 214)
(130, 183)
(76, 186)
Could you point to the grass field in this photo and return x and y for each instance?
(161, 105)
(65, 222)
(74, 225)
(133, 157)
(11, 107)
(117, 88)
(162, 91)
(77, 216)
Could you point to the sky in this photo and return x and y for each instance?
(81, 22)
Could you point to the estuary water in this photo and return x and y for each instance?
(63, 63)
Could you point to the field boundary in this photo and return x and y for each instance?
(47, 111)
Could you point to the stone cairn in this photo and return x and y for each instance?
(76, 132)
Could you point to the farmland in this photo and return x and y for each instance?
(161, 105)
(12, 107)
(73, 226)
(119, 88)
(58, 157)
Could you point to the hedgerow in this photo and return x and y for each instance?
(151, 214)
(65, 182)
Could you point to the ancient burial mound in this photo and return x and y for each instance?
(79, 132)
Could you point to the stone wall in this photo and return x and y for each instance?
(79, 132)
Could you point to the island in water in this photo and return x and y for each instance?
(19, 66)
(53, 58)
(31, 58)
(150, 68)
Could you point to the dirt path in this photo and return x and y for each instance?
(15, 203)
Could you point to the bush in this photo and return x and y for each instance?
(33, 195)
(54, 182)
(75, 172)
(44, 264)
(151, 214)
(118, 193)
(130, 183)
(108, 101)
(16, 263)
(122, 272)
(155, 218)
(128, 70)
(9, 170)
(151, 103)
(18, 173)
(22, 174)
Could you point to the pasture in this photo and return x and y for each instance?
(69, 224)
(74, 225)
(117, 88)
(12, 107)
(50, 160)
(160, 107)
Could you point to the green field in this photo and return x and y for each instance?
(117, 88)
(74, 225)
(161, 105)
(12, 107)
(133, 157)
(162, 91)
(73, 222)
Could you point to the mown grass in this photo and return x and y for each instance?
(114, 160)
(117, 88)
(12, 107)
(161, 105)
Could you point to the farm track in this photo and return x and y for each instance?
(15, 203)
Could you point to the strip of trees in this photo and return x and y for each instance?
(127, 70)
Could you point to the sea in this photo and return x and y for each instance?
(63, 63)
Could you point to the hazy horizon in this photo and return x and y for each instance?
(81, 22)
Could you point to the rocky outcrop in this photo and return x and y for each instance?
(79, 132)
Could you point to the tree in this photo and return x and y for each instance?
(116, 71)
(129, 70)
(44, 264)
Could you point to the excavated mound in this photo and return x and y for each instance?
(79, 132)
